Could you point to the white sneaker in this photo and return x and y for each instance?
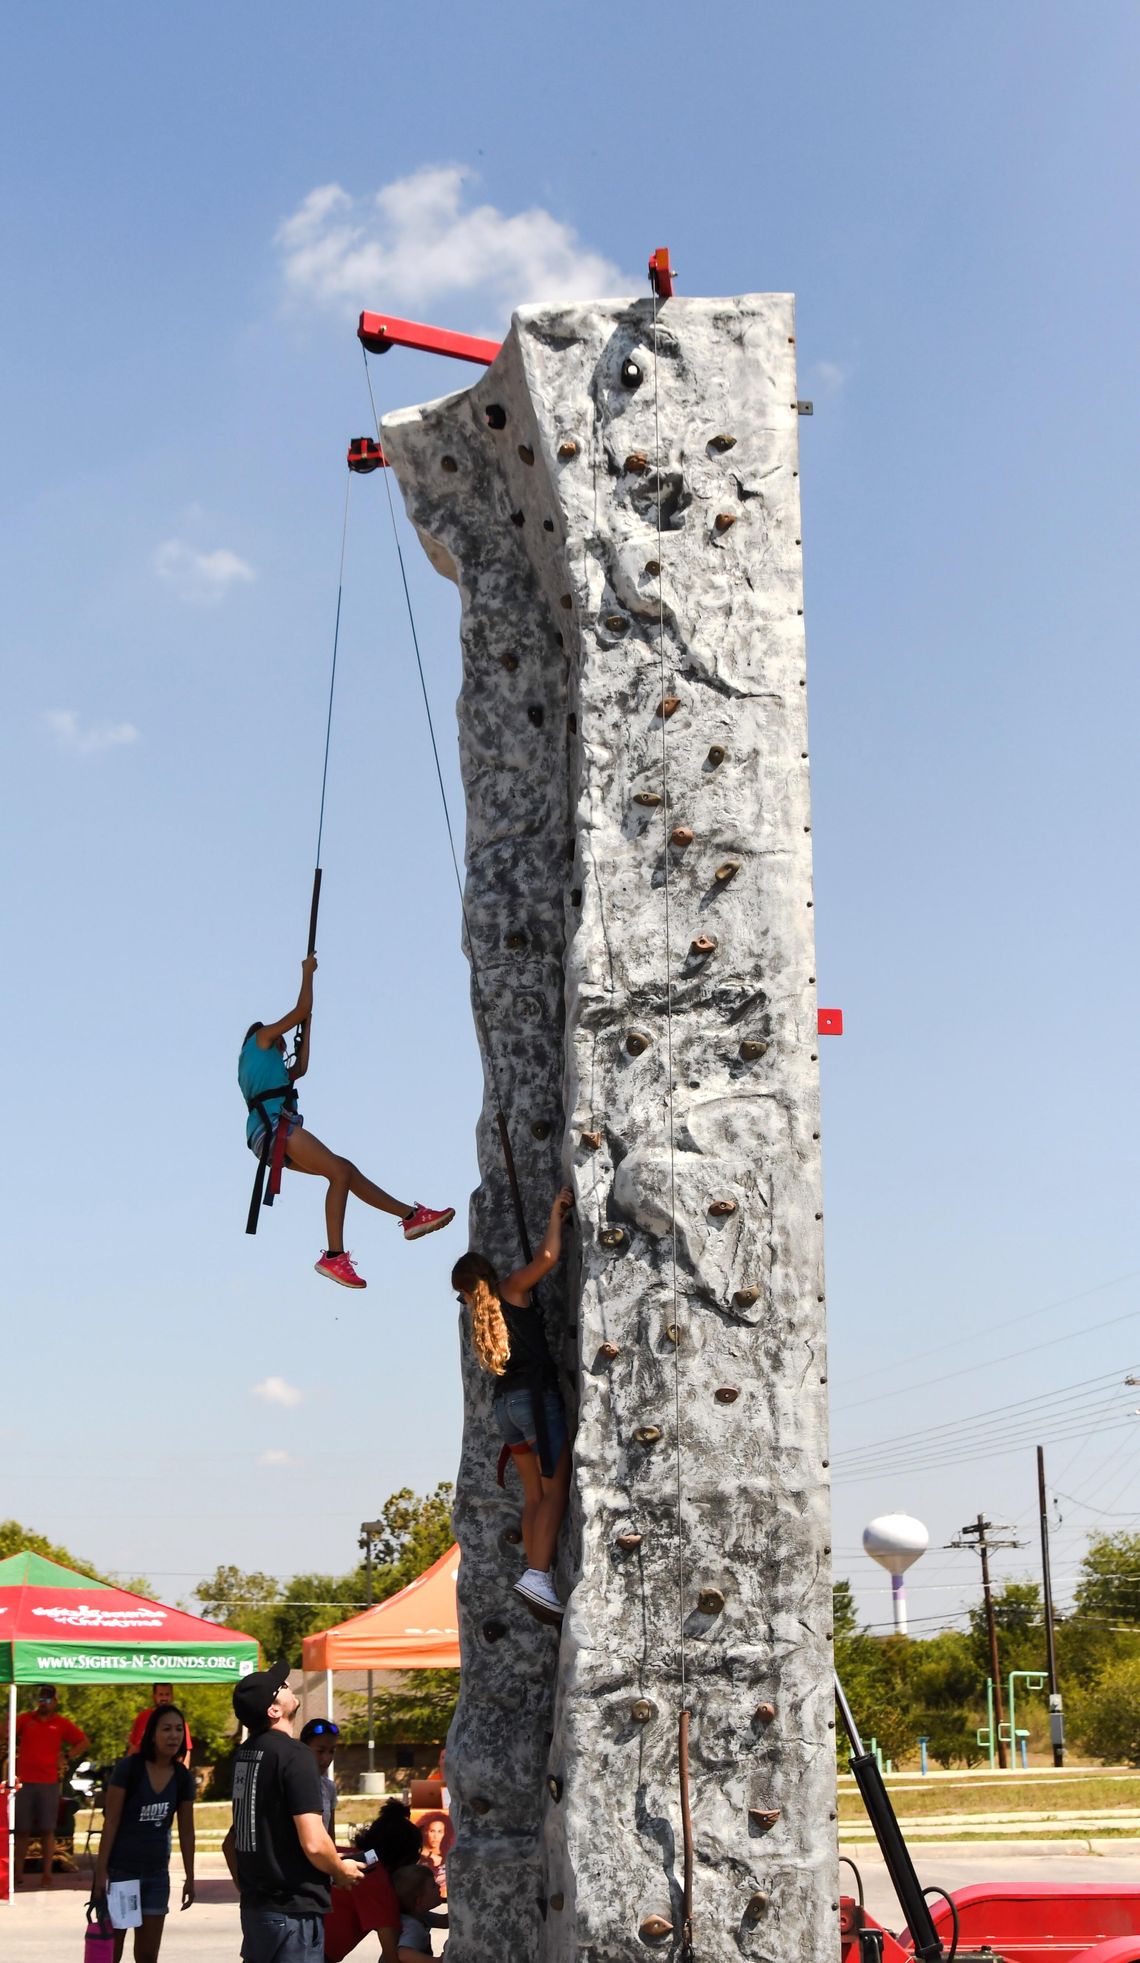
(537, 1591)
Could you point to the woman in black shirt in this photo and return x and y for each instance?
(510, 1343)
(146, 1793)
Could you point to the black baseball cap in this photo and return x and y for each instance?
(255, 1693)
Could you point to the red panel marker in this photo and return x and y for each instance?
(661, 273)
(365, 454)
(830, 1022)
(379, 332)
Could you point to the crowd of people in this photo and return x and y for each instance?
(299, 1896)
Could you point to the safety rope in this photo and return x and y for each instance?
(683, 1737)
(315, 901)
(480, 1006)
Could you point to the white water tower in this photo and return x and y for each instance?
(895, 1541)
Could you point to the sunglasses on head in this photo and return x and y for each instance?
(323, 1728)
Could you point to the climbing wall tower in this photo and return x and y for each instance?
(617, 499)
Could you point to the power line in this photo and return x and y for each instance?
(988, 1362)
(1029, 1315)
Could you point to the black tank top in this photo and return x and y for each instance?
(530, 1357)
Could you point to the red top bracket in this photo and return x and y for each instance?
(365, 454)
(829, 1022)
(379, 332)
(661, 273)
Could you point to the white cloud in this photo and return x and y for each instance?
(71, 735)
(202, 578)
(276, 1391)
(831, 376)
(274, 1458)
(420, 240)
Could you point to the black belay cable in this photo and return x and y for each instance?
(480, 1007)
(268, 1152)
(683, 1733)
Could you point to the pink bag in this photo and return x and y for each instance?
(99, 1940)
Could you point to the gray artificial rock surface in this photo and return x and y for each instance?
(633, 736)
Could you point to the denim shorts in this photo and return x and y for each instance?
(257, 1141)
(154, 1890)
(269, 1936)
(514, 1415)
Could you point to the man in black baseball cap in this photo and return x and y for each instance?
(277, 1850)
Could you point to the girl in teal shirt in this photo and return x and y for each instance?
(262, 1069)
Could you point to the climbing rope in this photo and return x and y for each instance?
(480, 1006)
(316, 876)
(683, 1732)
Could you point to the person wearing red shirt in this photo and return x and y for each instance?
(372, 1907)
(43, 1737)
(160, 1694)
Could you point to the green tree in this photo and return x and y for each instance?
(1107, 1717)
(1109, 1587)
(1020, 1622)
(415, 1532)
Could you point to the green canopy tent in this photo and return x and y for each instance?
(59, 1627)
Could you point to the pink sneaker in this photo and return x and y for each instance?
(425, 1221)
(338, 1267)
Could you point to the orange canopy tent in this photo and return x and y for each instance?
(418, 1629)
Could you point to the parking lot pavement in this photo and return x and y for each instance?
(952, 1865)
(45, 1925)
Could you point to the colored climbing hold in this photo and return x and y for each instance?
(755, 1907)
(642, 1711)
(725, 520)
(526, 453)
(612, 1236)
(556, 1901)
(751, 1048)
(653, 567)
(727, 1394)
(715, 755)
(722, 1208)
(631, 375)
(655, 1929)
(727, 871)
(681, 835)
(647, 1434)
(629, 1542)
(616, 623)
(710, 1601)
(636, 463)
(764, 1714)
(590, 1139)
(668, 706)
(554, 1787)
(637, 1042)
(745, 1297)
(449, 464)
(649, 798)
(703, 946)
(567, 449)
(763, 1818)
(722, 442)
(609, 1351)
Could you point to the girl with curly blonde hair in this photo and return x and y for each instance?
(510, 1343)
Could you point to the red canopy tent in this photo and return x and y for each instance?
(59, 1627)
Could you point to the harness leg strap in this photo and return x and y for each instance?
(258, 1186)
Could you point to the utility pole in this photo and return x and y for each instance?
(979, 1536)
(369, 1530)
(1056, 1708)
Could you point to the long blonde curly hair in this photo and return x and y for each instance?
(474, 1276)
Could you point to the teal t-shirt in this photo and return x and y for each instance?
(260, 1070)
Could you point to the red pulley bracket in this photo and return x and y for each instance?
(830, 1022)
(379, 332)
(365, 454)
(661, 273)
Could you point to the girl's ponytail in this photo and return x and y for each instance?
(474, 1276)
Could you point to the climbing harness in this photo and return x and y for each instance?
(274, 1145)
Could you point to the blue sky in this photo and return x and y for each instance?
(195, 206)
